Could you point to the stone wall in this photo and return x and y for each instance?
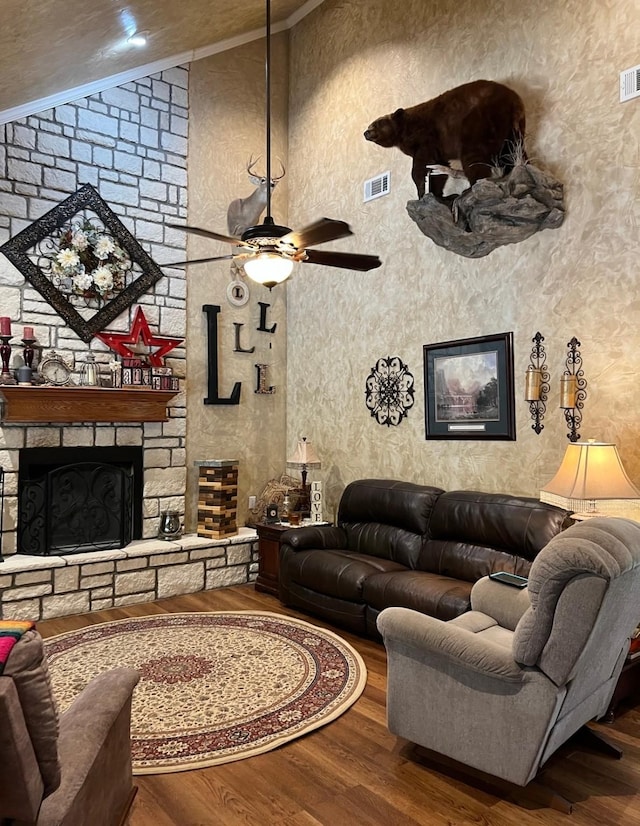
(130, 143)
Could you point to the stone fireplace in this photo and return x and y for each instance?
(145, 461)
(130, 144)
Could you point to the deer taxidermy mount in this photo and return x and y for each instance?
(268, 251)
(245, 212)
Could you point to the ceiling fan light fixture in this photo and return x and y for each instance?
(265, 233)
(268, 268)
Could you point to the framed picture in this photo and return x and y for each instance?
(468, 388)
(59, 256)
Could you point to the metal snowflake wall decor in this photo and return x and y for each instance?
(389, 393)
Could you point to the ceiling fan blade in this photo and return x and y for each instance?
(325, 229)
(199, 261)
(207, 233)
(346, 260)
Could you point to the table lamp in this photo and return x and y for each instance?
(304, 458)
(590, 473)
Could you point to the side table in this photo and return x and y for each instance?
(269, 536)
(628, 685)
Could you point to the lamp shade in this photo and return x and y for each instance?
(304, 455)
(589, 471)
(268, 268)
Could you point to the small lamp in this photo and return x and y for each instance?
(590, 472)
(304, 458)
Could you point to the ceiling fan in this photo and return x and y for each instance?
(269, 251)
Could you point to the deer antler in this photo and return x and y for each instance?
(277, 178)
(251, 164)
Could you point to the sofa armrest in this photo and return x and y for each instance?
(421, 636)
(504, 603)
(98, 704)
(321, 538)
(95, 753)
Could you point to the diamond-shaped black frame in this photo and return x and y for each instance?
(85, 198)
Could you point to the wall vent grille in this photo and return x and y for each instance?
(630, 83)
(377, 187)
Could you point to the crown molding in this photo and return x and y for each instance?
(33, 107)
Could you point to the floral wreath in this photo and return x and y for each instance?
(89, 262)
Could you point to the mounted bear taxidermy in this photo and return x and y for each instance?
(480, 124)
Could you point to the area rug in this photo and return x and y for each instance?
(214, 687)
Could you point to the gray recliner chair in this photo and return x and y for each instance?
(72, 769)
(501, 687)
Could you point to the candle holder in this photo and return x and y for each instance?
(5, 355)
(28, 351)
(573, 390)
(28, 354)
(537, 383)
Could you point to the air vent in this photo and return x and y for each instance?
(377, 187)
(630, 84)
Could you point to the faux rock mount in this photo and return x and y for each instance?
(493, 212)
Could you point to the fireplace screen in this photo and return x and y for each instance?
(77, 506)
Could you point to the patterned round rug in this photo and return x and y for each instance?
(214, 687)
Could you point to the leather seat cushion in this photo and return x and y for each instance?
(336, 573)
(439, 596)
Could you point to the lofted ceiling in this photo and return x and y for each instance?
(57, 50)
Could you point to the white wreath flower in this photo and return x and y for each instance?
(88, 262)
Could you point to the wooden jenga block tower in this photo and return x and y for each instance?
(217, 498)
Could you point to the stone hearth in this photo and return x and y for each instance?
(42, 587)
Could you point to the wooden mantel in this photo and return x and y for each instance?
(84, 404)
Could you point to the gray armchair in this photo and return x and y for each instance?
(67, 770)
(501, 687)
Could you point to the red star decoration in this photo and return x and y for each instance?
(140, 330)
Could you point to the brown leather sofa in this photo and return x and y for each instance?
(413, 546)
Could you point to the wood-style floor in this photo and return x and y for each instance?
(353, 772)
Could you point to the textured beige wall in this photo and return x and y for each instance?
(352, 61)
(227, 125)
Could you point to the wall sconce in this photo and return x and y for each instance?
(573, 390)
(537, 383)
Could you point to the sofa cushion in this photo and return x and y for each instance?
(472, 533)
(387, 518)
(337, 573)
(469, 562)
(439, 596)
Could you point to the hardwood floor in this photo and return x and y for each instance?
(353, 772)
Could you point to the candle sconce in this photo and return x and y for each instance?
(537, 383)
(6, 376)
(573, 390)
(1, 511)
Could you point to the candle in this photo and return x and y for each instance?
(532, 385)
(28, 333)
(5, 325)
(568, 389)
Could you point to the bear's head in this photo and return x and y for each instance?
(386, 131)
